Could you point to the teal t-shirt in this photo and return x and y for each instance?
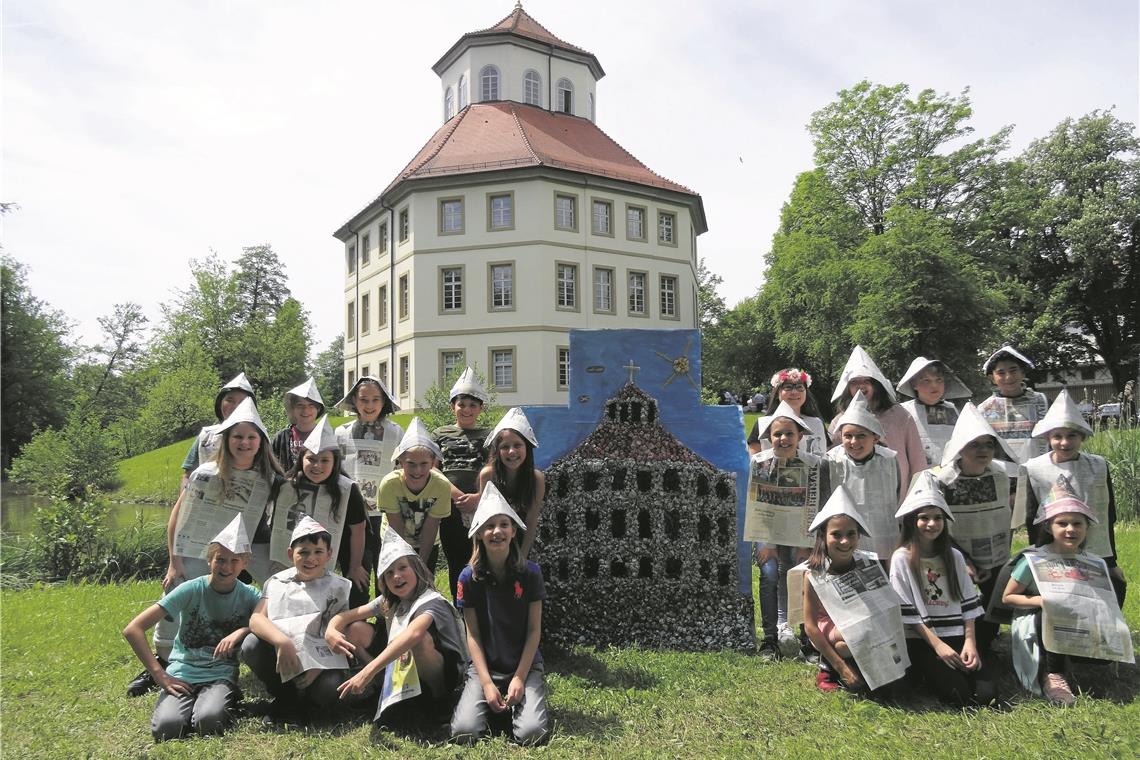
(205, 618)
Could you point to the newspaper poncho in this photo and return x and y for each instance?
(935, 422)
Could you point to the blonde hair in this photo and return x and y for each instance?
(264, 463)
(425, 581)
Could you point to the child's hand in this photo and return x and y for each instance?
(515, 692)
(763, 553)
(287, 659)
(174, 686)
(970, 658)
(948, 656)
(302, 681)
(359, 577)
(972, 571)
(467, 502)
(339, 643)
(849, 677)
(174, 573)
(982, 575)
(355, 685)
(228, 646)
(494, 698)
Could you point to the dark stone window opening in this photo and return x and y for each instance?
(722, 575)
(592, 519)
(590, 480)
(644, 524)
(672, 481)
(704, 528)
(723, 491)
(617, 523)
(702, 485)
(619, 479)
(645, 568)
(563, 569)
(563, 484)
(561, 524)
(722, 530)
(644, 480)
(673, 568)
(706, 569)
(635, 408)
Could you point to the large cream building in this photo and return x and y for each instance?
(517, 221)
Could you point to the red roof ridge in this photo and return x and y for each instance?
(409, 169)
(513, 22)
(637, 160)
(522, 131)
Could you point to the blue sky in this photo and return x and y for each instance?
(140, 135)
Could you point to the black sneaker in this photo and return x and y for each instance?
(769, 650)
(144, 683)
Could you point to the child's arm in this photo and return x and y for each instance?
(533, 512)
(228, 647)
(357, 573)
(969, 653)
(135, 634)
(428, 532)
(533, 633)
(811, 606)
(1110, 525)
(1013, 596)
(408, 640)
(174, 569)
(335, 632)
(260, 624)
(475, 650)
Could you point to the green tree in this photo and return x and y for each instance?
(276, 349)
(68, 461)
(710, 305)
(259, 282)
(329, 370)
(181, 399)
(105, 384)
(739, 350)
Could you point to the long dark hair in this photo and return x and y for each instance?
(880, 402)
(521, 494)
(296, 476)
(809, 409)
(943, 550)
(388, 406)
(818, 559)
(481, 568)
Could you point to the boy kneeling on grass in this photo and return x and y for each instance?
(199, 685)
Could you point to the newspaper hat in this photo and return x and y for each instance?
(239, 383)
(307, 389)
(246, 411)
(955, 388)
(306, 526)
(970, 425)
(492, 503)
(924, 492)
(860, 364)
(234, 537)
(392, 549)
(1062, 499)
(858, 413)
(515, 420)
(839, 503)
(469, 385)
(322, 438)
(416, 435)
(783, 410)
(1063, 413)
(1009, 352)
(348, 404)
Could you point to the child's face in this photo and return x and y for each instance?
(243, 444)
(858, 441)
(865, 384)
(1069, 530)
(1008, 376)
(225, 567)
(497, 534)
(1066, 444)
(416, 466)
(977, 455)
(467, 411)
(785, 436)
(842, 538)
(230, 402)
(305, 414)
(317, 467)
(511, 449)
(929, 385)
(400, 578)
(369, 402)
(794, 395)
(309, 558)
(930, 523)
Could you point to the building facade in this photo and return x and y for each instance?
(517, 221)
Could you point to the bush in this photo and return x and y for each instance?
(435, 409)
(66, 462)
(70, 531)
(1122, 450)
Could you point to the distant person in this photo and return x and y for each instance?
(931, 385)
(303, 406)
(1014, 408)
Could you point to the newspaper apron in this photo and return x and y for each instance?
(866, 610)
(1087, 477)
(935, 426)
(205, 511)
(783, 499)
(1013, 419)
(367, 462)
(209, 441)
(401, 679)
(302, 611)
(981, 523)
(314, 501)
(874, 487)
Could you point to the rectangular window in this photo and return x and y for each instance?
(365, 315)
(364, 371)
(350, 322)
(450, 359)
(668, 296)
(635, 223)
(501, 211)
(350, 258)
(666, 226)
(405, 375)
(404, 231)
(565, 213)
(567, 286)
(383, 240)
(503, 368)
(450, 216)
(603, 289)
(637, 293)
(365, 253)
(404, 295)
(382, 306)
(351, 378)
(563, 359)
(602, 218)
(382, 373)
(451, 289)
(502, 287)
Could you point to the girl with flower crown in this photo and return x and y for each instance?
(790, 386)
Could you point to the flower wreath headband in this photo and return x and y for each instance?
(792, 375)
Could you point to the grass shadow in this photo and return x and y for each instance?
(586, 665)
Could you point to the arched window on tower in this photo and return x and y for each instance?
(448, 104)
(462, 91)
(590, 105)
(489, 83)
(565, 96)
(532, 88)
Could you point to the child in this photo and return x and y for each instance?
(500, 595)
(791, 386)
(511, 468)
(939, 601)
(836, 571)
(976, 479)
(899, 433)
(367, 445)
(416, 496)
(1072, 574)
(462, 446)
(316, 486)
(931, 383)
(286, 648)
(206, 444)
(783, 476)
(1065, 469)
(1013, 409)
(303, 406)
(425, 654)
(199, 682)
(870, 473)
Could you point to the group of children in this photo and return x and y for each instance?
(935, 492)
(314, 495)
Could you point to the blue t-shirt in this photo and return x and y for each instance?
(502, 610)
(205, 617)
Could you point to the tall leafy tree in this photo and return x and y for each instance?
(710, 304)
(259, 281)
(329, 370)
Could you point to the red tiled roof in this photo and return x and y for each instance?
(523, 24)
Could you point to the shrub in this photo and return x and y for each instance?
(1122, 450)
(66, 462)
(70, 531)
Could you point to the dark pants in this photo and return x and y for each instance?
(456, 547)
(950, 685)
(261, 657)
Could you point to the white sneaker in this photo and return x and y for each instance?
(788, 641)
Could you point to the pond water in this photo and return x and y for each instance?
(18, 513)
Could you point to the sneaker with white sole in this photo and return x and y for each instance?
(789, 643)
(1057, 690)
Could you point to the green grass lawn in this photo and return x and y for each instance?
(65, 666)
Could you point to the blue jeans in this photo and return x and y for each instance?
(774, 590)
